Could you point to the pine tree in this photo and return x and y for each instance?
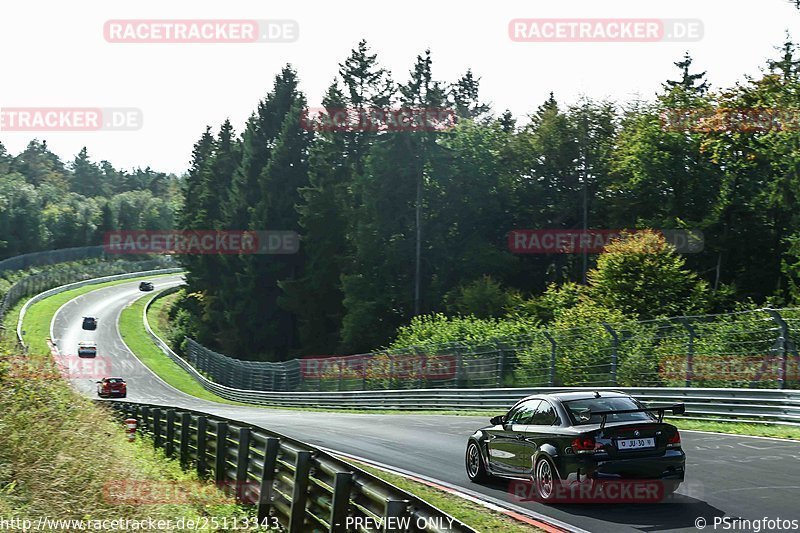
(693, 83)
(465, 97)
(315, 297)
(787, 66)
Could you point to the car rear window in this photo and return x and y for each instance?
(114, 380)
(580, 409)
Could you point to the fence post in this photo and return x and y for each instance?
(395, 509)
(614, 345)
(242, 462)
(553, 346)
(689, 350)
(501, 360)
(144, 413)
(222, 452)
(459, 366)
(781, 342)
(297, 516)
(202, 424)
(169, 439)
(267, 476)
(342, 483)
(156, 427)
(186, 423)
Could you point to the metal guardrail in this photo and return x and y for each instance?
(305, 489)
(740, 405)
(93, 281)
(50, 257)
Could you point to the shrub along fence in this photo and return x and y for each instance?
(748, 349)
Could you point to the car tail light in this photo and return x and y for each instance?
(584, 445)
(675, 440)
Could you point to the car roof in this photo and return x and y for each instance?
(115, 378)
(563, 396)
(87, 343)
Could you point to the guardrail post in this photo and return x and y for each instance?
(395, 509)
(221, 452)
(267, 477)
(781, 343)
(156, 427)
(614, 345)
(689, 350)
(144, 413)
(297, 516)
(342, 485)
(169, 439)
(459, 366)
(553, 347)
(202, 424)
(242, 462)
(186, 428)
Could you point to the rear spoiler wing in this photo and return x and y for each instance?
(677, 409)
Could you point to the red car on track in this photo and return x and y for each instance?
(112, 388)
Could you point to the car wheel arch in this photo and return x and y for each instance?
(547, 452)
(483, 451)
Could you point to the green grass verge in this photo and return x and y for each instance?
(474, 515)
(135, 336)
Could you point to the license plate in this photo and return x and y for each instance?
(636, 444)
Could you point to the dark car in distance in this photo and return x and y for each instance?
(146, 286)
(112, 388)
(89, 322)
(561, 443)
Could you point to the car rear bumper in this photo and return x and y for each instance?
(671, 465)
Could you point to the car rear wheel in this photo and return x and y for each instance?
(476, 470)
(545, 480)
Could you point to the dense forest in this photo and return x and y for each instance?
(46, 204)
(358, 198)
(401, 224)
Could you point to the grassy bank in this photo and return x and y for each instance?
(61, 454)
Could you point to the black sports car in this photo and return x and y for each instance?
(582, 446)
(89, 322)
(146, 286)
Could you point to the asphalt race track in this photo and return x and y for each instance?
(730, 476)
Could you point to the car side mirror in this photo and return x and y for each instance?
(497, 420)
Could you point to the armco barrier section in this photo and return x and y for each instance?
(93, 281)
(302, 487)
(51, 257)
(742, 405)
